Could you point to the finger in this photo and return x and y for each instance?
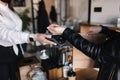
(44, 43)
(52, 26)
(51, 30)
(50, 42)
(48, 36)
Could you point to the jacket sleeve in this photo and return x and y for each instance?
(90, 49)
(108, 32)
(107, 51)
(13, 36)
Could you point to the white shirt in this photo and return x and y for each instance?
(10, 28)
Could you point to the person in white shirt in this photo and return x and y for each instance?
(10, 36)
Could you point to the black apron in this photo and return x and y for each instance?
(9, 63)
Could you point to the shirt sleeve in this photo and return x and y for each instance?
(13, 36)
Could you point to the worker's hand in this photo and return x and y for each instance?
(94, 30)
(42, 38)
(56, 29)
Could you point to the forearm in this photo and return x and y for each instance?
(16, 37)
(88, 48)
(12, 36)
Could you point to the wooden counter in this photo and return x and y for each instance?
(81, 74)
(86, 73)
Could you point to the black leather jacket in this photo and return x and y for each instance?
(107, 53)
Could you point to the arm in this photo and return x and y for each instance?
(88, 48)
(101, 52)
(18, 37)
(104, 52)
(108, 32)
(13, 36)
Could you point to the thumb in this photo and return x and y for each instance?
(48, 36)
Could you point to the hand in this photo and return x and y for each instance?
(42, 39)
(55, 29)
(94, 30)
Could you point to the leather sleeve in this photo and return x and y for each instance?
(90, 49)
(104, 52)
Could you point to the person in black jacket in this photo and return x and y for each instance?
(106, 53)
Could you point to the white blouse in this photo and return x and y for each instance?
(10, 29)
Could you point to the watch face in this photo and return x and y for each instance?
(31, 39)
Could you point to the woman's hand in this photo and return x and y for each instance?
(42, 38)
(56, 29)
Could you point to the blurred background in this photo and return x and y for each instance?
(78, 15)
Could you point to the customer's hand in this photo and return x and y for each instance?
(94, 30)
(56, 29)
(42, 38)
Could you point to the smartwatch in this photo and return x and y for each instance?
(31, 39)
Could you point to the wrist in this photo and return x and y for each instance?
(63, 29)
(32, 38)
(36, 36)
